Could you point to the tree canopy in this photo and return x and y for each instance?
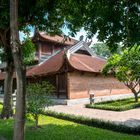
(126, 68)
(114, 21)
(101, 49)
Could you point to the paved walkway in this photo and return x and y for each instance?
(129, 118)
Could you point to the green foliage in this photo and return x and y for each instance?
(114, 21)
(126, 68)
(118, 105)
(38, 98)
(101, 49)
(28, 49)
(4, 14)
(112, 64)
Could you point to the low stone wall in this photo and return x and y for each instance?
(99, 99)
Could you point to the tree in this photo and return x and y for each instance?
(38, 97)
(28, 49)
(126, 68)
(20, 72)
(75, 14)
(5, 42)
(101, 49)
(50, 18)
(114, 21)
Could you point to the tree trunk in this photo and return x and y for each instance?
(8, 83)
(7, 110)
(136, 97)
(20, 72)
(20, 105)
(135, 94)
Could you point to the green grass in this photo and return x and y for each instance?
(57, 129)
(118, 105)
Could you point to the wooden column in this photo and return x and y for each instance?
(67, 86)
(39, 51)
(57, 85)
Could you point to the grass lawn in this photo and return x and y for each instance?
(57, 129)
(118, 105)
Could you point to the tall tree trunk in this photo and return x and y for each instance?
(8, 83)
(7, 110)
(20, 72)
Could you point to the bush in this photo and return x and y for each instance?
(118, 105)
(38, 98)
(113, 108)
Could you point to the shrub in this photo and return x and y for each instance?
(38, 98)
(114, 108)
(118, 105)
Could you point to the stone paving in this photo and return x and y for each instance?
(129, 118)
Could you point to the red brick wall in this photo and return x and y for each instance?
(80, 84)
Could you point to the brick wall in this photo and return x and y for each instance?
(81, 84)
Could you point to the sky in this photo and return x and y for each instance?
(81, 32)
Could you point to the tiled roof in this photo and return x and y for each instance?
(86, 63)
(77, 61)
(49, 66)
(57, 39)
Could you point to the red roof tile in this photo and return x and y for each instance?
(57, 39)
(86, 63)
(49, 66)
(77, 61)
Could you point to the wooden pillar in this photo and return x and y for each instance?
(52, 50)
(67, 86)
(57, 85)
(39, 51)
